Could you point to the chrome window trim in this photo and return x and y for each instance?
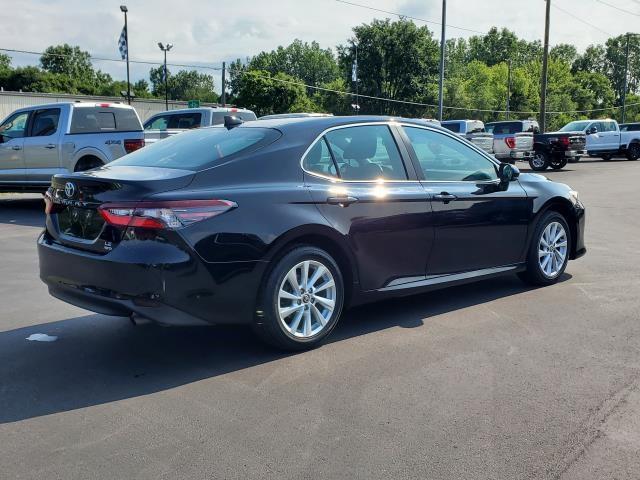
(463, 141)
(388, 124)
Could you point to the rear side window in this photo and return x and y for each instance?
(45, 122)
(102, 119)
(319, 160)
(366, 153)
(454, 127)
(200, 148)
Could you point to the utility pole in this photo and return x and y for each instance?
(442, 51)
(626, 81)
(223, 96)
(124, 9)
(165, 49)
(545, 66)
(508, 88)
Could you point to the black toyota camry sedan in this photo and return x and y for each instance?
(284, 223)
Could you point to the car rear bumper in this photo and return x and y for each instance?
(162, 282)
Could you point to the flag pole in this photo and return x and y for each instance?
(124, 9)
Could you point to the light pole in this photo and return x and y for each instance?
(442, 52)
(124, 9)
(165, 49)
(508, 88)
(545, 68)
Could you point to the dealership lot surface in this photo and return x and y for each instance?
(489, 380)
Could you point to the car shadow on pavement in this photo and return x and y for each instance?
(98, 359)
(22, 210)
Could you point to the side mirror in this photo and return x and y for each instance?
(592, 130)
(231, 121)
(507, 172)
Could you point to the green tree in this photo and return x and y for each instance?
(564, 52)
(266, 94)
(305, 61)
(184, 85)
(68, 60)
(395, 60)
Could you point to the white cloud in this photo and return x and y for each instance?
(208, 32)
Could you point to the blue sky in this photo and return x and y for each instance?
(208, 32)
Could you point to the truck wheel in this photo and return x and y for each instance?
(558, 163)
(633, 152)
(606, 156)
(539, 161)
(87, 163)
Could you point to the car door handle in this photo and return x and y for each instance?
(51, 145)
(16, 147)
(445, 197)
(344, 201)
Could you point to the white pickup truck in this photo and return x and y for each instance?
(40, 141)
(605, 138)
(171, 122)
(473, 131)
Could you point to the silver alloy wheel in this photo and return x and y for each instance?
(552, 249)
(538, 160)
(306, 299)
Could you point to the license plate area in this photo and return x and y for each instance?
(81, 223)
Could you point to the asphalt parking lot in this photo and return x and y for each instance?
(491, 380)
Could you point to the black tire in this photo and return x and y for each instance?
(606, 157)
(558, 163)
(87, 163)
(270, 327)
(574, 159)
(534, 274)
(633, 152)
(540, 161)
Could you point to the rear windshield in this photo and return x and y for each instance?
(217, 118)
(454, 127)
(199, 149)
(504, 128)
(575, 126)
(104, 119)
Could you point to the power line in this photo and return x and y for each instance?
(582, 21)
(104, 59)
(618, 8)
(402, 15)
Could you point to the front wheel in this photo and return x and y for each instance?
(606, 157)
(549, 250)
(301, 301)
(558, 163)
(539, 161)
(633, 152)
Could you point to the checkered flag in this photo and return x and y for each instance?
(122, 44)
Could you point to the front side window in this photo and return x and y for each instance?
(15, 126)
(366, 152)
(45, 122)
(185, 121)
(610, 126)
(157, 123)
(443, 158)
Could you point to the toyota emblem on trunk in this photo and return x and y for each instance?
(69, 189)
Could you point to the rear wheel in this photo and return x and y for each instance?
(558, 163)
(633, 152)
(539, 161)
(302, 300)
(549, 250)
(87, 163)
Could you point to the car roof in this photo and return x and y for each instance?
(202, 109)
(322, 123)
(76, 105)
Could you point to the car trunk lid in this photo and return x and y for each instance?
(73, 201)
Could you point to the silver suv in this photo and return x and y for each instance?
(40, 141)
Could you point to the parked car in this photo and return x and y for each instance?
(513, 139)
(294, 115)
(166, 124)
(556, 149)
(472, 130)
(39, 141)
(605, 138)
(281, 224)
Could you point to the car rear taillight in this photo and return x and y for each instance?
(510, 141)
(132, 145)
(163, 215)
(564, 141)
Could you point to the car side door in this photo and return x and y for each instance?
(360, 179)
(479, 222)
(42, 145)
(12, 132)
(612, 135)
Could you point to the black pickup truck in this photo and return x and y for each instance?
(555, 149)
